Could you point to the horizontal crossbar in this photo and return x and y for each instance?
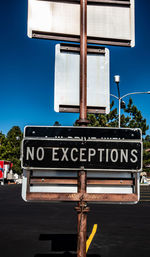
(76, 38)
(78, 196)
(67, 181)
(95, 2)
(75, 48)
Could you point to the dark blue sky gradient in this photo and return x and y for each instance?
(27, 69)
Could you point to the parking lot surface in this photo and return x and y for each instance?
(49, 229)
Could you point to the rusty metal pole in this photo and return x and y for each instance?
(83, 63)
(83, 60)
(82, 211)
(82, 208)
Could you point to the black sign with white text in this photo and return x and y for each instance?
(86, 132)
(62, 154)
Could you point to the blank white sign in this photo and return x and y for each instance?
(67, 71)
(113, 22)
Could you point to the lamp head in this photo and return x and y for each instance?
(116, 78)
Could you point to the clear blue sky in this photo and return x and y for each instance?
(27, 69)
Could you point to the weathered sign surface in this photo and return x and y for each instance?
(80, 132)
(108, 22)
(67, 78)
(52, 157)
(92, 154)
(102, 187)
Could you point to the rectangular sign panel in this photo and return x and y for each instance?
(102, 187)
(108, 22)
(52, 156)
(86, 132)
(67, 78)
(61, 154)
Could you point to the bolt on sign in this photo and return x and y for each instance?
(51, 156)
(67, 61)
(109, 22)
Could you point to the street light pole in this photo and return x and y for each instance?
(117, 80)
(120, 98)
(119, 114)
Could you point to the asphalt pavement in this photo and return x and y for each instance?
(49, 229)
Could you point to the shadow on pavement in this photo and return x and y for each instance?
(62, 245)
(66, 254)
(61, 242)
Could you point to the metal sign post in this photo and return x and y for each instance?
(40, 182)
(82, 208)
(83, 63)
